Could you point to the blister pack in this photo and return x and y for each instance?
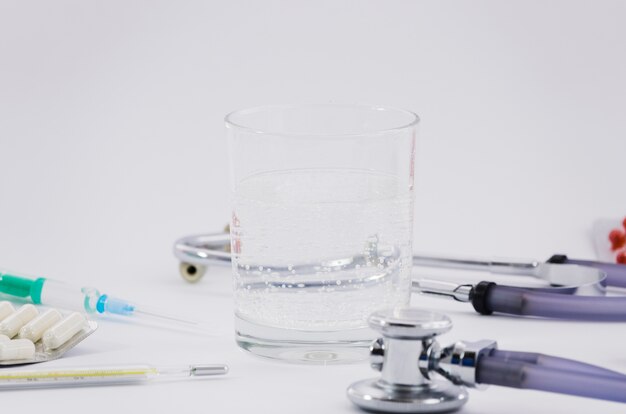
(28, 336)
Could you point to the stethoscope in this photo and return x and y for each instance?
(437, 378)
(576, 289)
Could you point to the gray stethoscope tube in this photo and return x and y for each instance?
(576, 291)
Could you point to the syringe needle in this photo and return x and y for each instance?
(140, 312)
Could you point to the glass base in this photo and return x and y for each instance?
(304, 347)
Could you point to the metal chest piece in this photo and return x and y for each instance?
(404, 386)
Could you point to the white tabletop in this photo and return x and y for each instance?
(112, 146)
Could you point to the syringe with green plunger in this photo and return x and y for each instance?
(44, 291)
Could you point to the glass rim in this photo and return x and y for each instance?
(228, 119)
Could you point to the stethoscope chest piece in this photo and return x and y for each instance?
(405, 385)
(434, 397)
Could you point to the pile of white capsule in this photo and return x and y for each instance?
(22, 330)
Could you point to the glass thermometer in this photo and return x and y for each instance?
(103, 375)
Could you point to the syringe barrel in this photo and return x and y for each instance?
(67, 296)
(48, 292)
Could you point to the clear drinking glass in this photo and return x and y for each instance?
(321, 228)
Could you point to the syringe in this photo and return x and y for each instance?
(50, 292)
(105, 375)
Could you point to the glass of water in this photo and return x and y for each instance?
(321, 228)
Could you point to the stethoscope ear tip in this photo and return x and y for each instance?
(192, 273)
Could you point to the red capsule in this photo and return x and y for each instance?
(624, 223)
(617, 239)
(621, 258)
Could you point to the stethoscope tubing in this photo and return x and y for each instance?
(486, 297)
(213, 249)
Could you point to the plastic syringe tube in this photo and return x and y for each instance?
(63, 295)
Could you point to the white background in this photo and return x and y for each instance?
(112, 145)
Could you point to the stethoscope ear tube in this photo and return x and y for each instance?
(563, 301)
(488, 297)
(615, 273)
(212, 249)
(564, 379)
(479, 297)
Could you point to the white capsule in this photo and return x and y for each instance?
(4, 338)
(62, 331)
(5, 309)
(17, 349)
(34, 329)
(12, 324)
